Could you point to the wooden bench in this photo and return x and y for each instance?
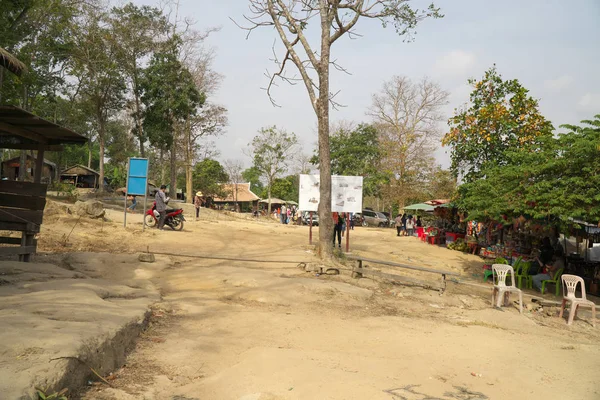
(359, 271)
(21, 209)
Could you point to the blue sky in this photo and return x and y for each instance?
(551, 46)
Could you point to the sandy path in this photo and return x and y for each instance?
(245, 330)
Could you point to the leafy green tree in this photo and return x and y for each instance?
(284, 188)
(558, 181)
(170, 97)
(501, 116)
(138, 32)
(209, 174)
(252, 175)
(356, 152)
(101, 81)
(272, 152)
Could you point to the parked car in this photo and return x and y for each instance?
(391, 221)
(373, 218)
(306, 218)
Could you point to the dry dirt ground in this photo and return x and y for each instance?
(247, 322)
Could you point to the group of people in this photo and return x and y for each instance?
(287, 214)
(406, 224)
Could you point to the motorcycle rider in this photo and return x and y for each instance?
(161, 205)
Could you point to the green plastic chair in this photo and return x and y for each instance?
(524, 274)
(488, 273)
(555, 281)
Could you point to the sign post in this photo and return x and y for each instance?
(137, 184)
(346, 197)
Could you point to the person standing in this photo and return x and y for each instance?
(410, 226)
(398, 224)
(419, 223)
(161, 205)
(403, 225)
(283, 214)
(338, 223)
(197, 204)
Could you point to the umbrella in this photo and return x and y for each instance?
(419, 207)
(291, 202)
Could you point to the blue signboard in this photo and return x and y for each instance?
(137, 176)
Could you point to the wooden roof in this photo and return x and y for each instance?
(20, 129)
(18, 158)
(244, 194)
(78, 170)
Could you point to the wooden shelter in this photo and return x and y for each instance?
(11, 169)
(22, 203)
(80, 176)
(239, 193)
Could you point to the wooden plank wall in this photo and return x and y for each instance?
(21, 209)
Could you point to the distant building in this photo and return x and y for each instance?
(11, 169)
(243, 195)
(80, 176)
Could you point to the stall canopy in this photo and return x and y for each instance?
(419, 207)
(273, 201)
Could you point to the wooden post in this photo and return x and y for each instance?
(357, 273)
(310, 229)
(347, 233)
(39, 165)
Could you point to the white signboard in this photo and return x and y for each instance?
(346, 193)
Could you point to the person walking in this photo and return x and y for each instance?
(283, 214)
(161, 205)
(198, 204)
(133, 199)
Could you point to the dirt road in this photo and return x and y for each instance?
(259, 331)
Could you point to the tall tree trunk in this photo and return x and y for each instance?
(173, 167)
(138, 119)
(89, 154)
(101, 154)
(325, 216)
(269, 201)
(162, 164)
(189, 159)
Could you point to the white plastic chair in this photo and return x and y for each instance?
(569, 283)
(499, 272)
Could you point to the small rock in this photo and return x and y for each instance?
(146, 257)
(399, 294)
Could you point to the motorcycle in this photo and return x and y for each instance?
(173, 219)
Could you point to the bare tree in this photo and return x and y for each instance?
(336, 18)
(234, 169)
(407, 115)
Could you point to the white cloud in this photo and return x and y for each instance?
(455, 62)
(590, 101)
(559, 83)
